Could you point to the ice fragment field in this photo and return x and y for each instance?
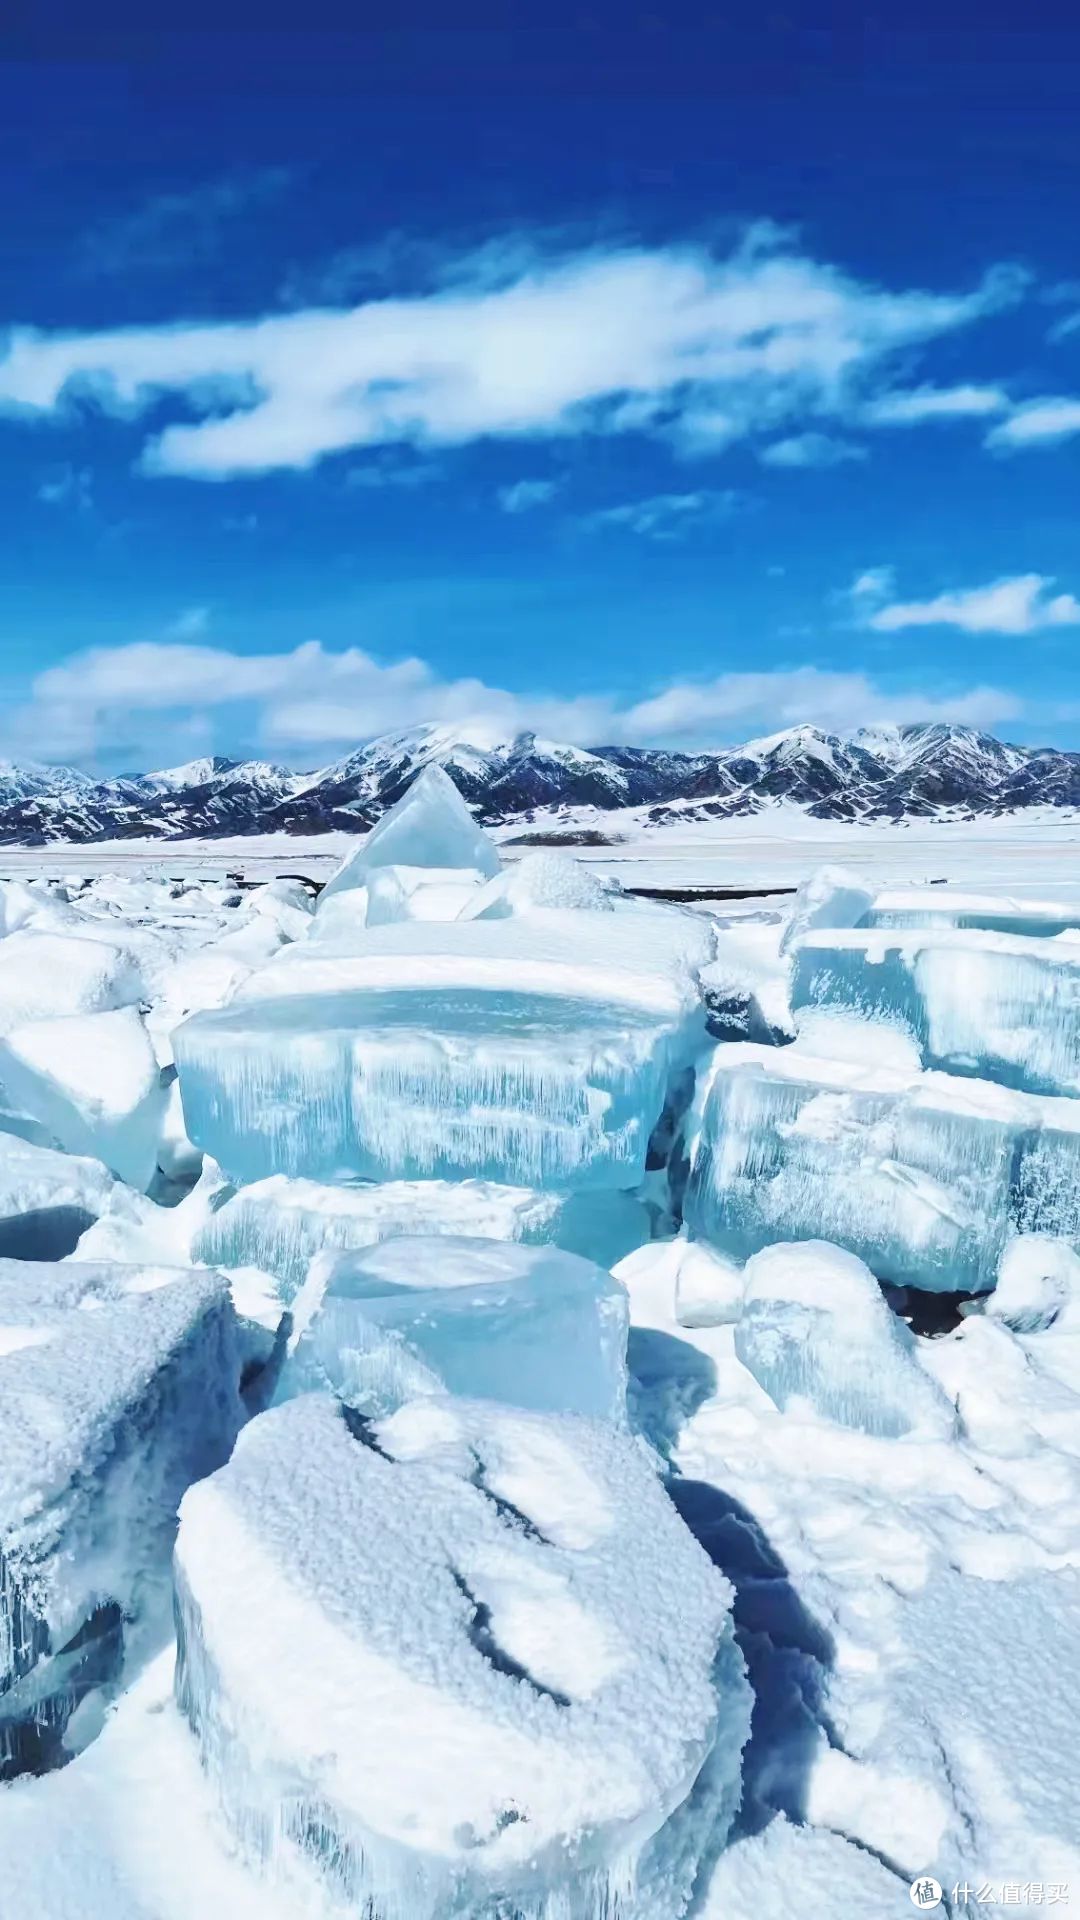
(524, 1403)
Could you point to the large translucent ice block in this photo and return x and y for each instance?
(911, 1172)
(1003, 1008)
(462, 1662)
(430, 826)
(281, 1224)
(520, 1088)
(118, 1387)
(530, 1325)
(816, 1327)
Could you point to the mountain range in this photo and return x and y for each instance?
(551, 791)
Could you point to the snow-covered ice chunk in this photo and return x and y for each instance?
(520, 1088)
(93, 1080)
(830, 897)
(47, 974)
(47, 1199)
(533, 1326)
(281, 1224)
(467, 1660)
(912, 1172)
(754, 1878)
(118, 1387)
(815, 1326)
(543, 879)
(1038, 1285)
(990, 1004)
(430, 826)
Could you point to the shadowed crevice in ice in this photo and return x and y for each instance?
(36, 1707)
(506, 1510)
(669, 1380)
(44, 1233)
(363, 1429)
(788, 1654)
(483, 1639)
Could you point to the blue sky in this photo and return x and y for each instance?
(642, 381)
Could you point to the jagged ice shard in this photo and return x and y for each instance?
(280, 1224)
(118, 1387)
(430, 826)
(912, 1172)
(532, 1052)
(533, 1326)
(461, 1662)
(996, 1005)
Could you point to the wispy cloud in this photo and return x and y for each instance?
(189, 625)
(668, 516)
(523, 495)
(387, 469)
(921, 404)
(175, 228)
(810, 450)
(68, 486)
(1037, 423)
(1022, 604)
(656, 341)
(311, 701)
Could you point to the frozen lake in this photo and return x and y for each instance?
(1037, 854)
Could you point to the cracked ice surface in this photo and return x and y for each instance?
(118, 1386)
(435, 1655)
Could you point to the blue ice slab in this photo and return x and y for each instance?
(527, 1089)
(531, 1326)
(280, 1224)
(911, 1173)
(999, 1007)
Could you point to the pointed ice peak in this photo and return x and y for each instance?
(430, 826)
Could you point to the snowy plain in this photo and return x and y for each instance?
(782, 1616)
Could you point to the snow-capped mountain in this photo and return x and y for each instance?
(881, 773)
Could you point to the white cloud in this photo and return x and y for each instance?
(523, 495)
(920, 404)
(839, 701)
(1023, 604)
(664, 340)
(876, 583)
(311, 703)
(1038, 423)
(810, 450)
(668, 516)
